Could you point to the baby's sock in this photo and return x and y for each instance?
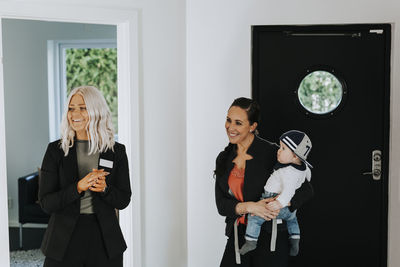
(248, 246)
(294, 246)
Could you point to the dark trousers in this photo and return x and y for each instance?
(86, 247)
(261, 256)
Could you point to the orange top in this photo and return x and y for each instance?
(235, 182)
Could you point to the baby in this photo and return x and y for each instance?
(289, 173)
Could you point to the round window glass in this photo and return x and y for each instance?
(320, 92)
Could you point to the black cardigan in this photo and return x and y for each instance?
(257, 172)
(59, 197)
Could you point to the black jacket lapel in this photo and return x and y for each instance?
(71, 165)
(253, 183)
(223, 179)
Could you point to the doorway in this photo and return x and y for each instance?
(332, 82)
(126, 22)
(29, 104)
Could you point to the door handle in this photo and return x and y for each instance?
(376, 165)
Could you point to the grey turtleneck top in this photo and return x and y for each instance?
(86, 163)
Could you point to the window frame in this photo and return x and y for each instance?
(57, 77)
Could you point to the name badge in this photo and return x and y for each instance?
(278, 221)
(106, 163)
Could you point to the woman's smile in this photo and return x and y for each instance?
(233, 134)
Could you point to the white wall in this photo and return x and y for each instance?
(206, 44)
(218, 70)
(26, 92)
(164, 121)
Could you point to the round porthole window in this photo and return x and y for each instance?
(320, 92)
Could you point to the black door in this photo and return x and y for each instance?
(345, 224)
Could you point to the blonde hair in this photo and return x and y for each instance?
(99, 130)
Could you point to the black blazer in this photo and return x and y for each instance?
(59, 197)
(256, 175)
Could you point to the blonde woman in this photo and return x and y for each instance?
(84, 178)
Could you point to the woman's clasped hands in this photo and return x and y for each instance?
(94, 181)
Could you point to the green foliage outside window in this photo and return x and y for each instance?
(96, 67)
(320, 92)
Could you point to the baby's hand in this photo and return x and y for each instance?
(274, 205)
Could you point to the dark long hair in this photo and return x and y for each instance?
(253, 115)
(250, 106)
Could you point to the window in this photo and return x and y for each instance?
(320, 92)
(74, 63)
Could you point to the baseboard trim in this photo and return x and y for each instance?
(26, 225)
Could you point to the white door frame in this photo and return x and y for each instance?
(127, 22)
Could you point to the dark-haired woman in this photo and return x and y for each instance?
(241, 172)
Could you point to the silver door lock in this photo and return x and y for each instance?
(376, 165)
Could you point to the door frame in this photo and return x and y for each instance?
(127, 23)
(388, 28)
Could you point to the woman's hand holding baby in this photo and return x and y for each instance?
(261, 209)
(274, 205)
